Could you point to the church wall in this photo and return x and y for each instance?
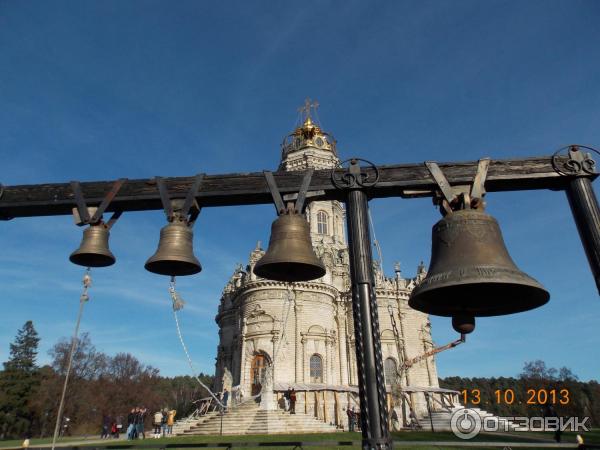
(320, 319)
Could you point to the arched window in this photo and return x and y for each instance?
(322, 218)
(389, 370)
(316, 369)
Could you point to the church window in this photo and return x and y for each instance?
(322, 222)
(389, 369)
(316, 369)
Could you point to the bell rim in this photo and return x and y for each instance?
(161, 267)
(107, 260)
(264, 271)
(536, 297)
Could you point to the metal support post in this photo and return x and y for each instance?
(373, 408)
(586, 213)
(583, 201)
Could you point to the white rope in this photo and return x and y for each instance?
(375, 241)
(177, 305)
(285, 314)
(87, 282)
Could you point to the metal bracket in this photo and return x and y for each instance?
(189, 204)
(578, 164)
(300, 198)
(459, 197)
(82, 213)
(355, 177)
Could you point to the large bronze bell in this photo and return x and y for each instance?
(175, 253)
(93, 250)
(290, 256)
(471, 273)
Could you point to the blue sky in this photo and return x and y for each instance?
(101, 90)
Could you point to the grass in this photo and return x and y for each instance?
(422, 436)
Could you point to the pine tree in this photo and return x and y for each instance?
(18, 383)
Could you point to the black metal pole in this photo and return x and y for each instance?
(586, 213)
(373, 408)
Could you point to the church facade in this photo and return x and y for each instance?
(303, 332)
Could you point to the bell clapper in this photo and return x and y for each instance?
(463, 323)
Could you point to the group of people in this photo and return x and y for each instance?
(163, 423)
(289, 397)
(135, 423)
(111, 426)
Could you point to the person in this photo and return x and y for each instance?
(163, 423)
(119, 422)
(171, 421)
(357, 419)
(140, 423)
(350, 414)
(130, 424)
(550, 412)
(286, 398)
(225, 397)
(157, 422)
(293, 402)
(105, 426)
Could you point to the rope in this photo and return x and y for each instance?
(287, 306)
(375, 241)
(178, 304)
(87, 282)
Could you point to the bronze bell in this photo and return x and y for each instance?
(471, 273)
(94, 251)
(290, 256)
(175, 253)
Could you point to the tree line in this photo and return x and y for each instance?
(527, 394)
(99, 385)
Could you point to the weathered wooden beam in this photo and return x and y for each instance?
(404, 180)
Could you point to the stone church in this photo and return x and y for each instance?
(303, 332)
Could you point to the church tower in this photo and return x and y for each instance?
(303, 333)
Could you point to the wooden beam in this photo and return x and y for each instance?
(403, 180)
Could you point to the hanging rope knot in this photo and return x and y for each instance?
(178, 302)
(87, 279)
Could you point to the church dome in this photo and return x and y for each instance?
(308, 135)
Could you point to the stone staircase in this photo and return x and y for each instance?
(441, 420)
(250, 419)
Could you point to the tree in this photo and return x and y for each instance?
(537, 370)
(18, 384)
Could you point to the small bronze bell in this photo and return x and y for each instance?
(290, 256)
(175, 253)
(94, 251)
(471, 273)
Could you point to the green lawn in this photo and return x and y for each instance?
(590, 437)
